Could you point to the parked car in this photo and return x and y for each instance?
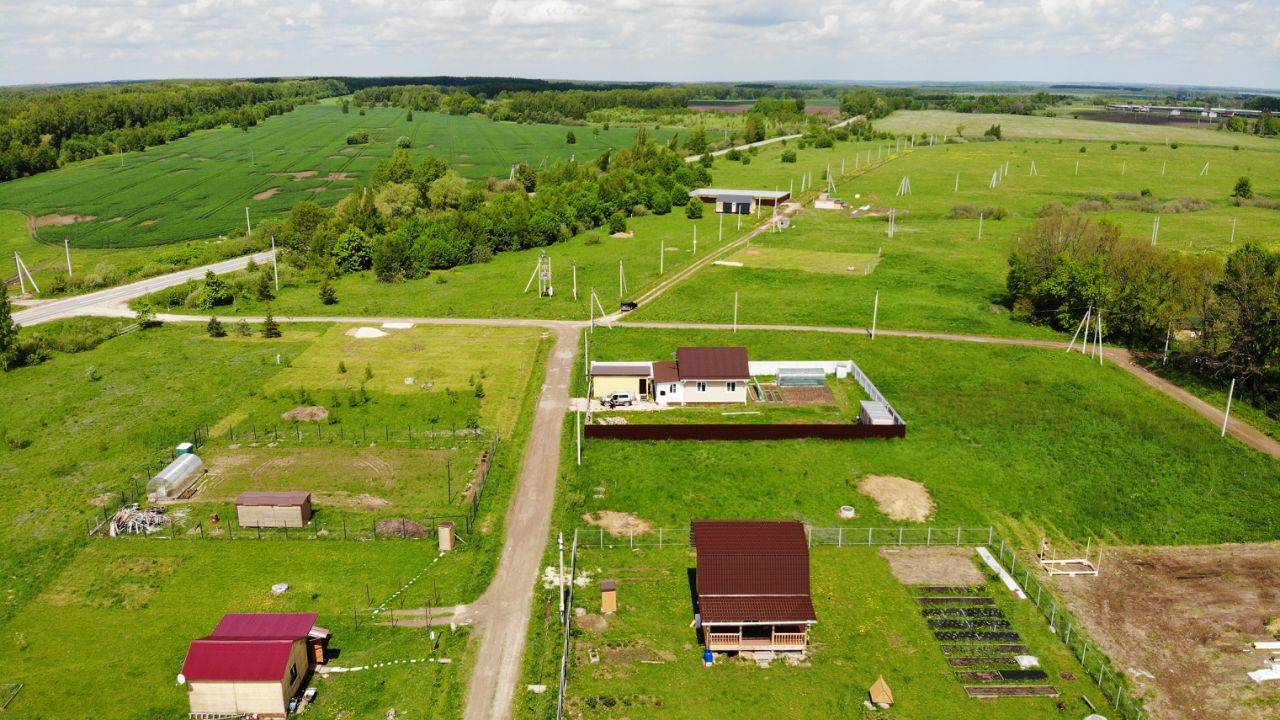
(628, 306)
(615, 399)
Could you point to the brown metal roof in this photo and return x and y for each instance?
(760, 609)
(753, 571)
(713, 363)
(603, 370)
(273, 498)
(665, 372)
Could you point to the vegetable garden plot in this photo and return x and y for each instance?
(956, 600)
(997, 691)
(982, 660)
(976, 650)
(980, 612)
(968, 624)
(976, 636)
(948, 590)
(1000, 675)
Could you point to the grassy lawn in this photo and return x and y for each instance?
(141, 602)
(843, 408)
(996, 434)
(868, 625)
(198, 187)
(916, 122)
(935, 273)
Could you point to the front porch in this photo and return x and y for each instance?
(738, 638)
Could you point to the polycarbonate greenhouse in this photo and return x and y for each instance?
(176, 477)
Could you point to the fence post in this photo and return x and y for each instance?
(958, 531)
(601, 538)
(659, 537)
(1001, 548)
(201, 526)
(839, 537)
(869, 532)
(631, 533)
(899, 535)
(344, 528)
(991, 532)
(928, 537)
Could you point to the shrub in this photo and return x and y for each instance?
(328, 295)
(617, 223)
(693, 210)
(1083, 149)
(1236, 148)
(1142, 148)
(1173, 146)
(243, 329)
(994, 132)
(788, 156)
(570, 138)
(592, 239)
(746, 160)
(270, 328)
(1243, 189)
(733, 154)
(214, 327)
(358, 137)
(1114, 146)
(265, 290)
(404, 143)
(342, 367)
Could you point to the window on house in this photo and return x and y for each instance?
(733, 386)
(673, 387)
(293, 674)
(702, 387)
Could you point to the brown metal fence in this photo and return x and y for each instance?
(731, 431)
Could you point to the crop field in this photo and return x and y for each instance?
(497, 288)
(997, 435)
(199, 187)
(935, 273)
(123, 405)
(942, 122)
(869, 624)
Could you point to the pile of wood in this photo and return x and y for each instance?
(133, 520)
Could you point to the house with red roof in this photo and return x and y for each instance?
(698, 375)
(252, 664)
(752, 585)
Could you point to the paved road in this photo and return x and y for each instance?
(117, 296)
(770, 141)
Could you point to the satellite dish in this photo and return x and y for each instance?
(182, 679)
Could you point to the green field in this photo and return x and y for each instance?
(998, 434)
(199, 187)
(935, 274)
(916, 122)
(82, 429)
(868, 625)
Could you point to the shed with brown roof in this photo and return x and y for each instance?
(273, 509)
(753, 585)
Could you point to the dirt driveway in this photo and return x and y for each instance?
(1184, 615)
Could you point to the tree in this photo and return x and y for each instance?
(617, 223)
(215, 292)
(697, 142)
(570, 138)
(1242, 328)
(1244, 189)
(446, 192)
(693, 210)
(145, 315)
(351, 253)
(8, 332)
(994, 132)
(408, 115)
(788, 156)
(214, 327)
(270, 328)
(753, 129)
(527, 177)
(346, 106)
(265, 288)
(397, 200)
(328, 295)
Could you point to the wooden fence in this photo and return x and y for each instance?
(731, 431)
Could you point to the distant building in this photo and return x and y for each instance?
(273, 509)
(753, 585)
(699, 375)
(252, 664)
(739, 202)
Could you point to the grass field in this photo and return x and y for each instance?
(868, 625)
(80, 428)
(935, 274)
(998, 435)
(941, 122)
(199, 187)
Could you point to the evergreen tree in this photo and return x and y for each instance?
(8, 332)
(270, 328)
(1244, 189)
(214, 327)
(243, 329)
(328, 295)
(265, 288)
(570, 138)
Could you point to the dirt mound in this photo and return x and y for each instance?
(624, 234)
(55, 219)
(266, 193)
(618, 523)
(898, 498)
(307, 413)
(400, 527)
(933, 565)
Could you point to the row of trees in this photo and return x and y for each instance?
(40, 131)
(1068, 263)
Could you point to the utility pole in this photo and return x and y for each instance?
(695, 241)
(17, 261)
(248, 228)
(875, 315)
(560, 577)
(735, 311)
(66, 245)
(275, 267)
(1226, 416)
(575, 280)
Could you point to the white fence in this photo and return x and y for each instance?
(600, 539)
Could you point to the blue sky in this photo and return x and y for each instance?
(1150, 41)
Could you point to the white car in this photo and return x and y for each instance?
(614, 399)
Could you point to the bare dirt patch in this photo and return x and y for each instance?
(347, 150)
(897, 497)
(307, 413)
(301, 175)
(808, 395)
(933, 565)
(1184, 615)
(624, 234)
(363, 501)
(102, 500)
(339, 176)
(57, 220)
(400, 527)
(115, 219)
(618, 523)
(592, 623)
(266, 194)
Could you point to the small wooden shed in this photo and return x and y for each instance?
(273, 509)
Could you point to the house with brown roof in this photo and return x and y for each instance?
(252, 664)
(698, 375)
(752, 585)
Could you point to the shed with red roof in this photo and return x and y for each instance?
(251, 664)
(752, 585)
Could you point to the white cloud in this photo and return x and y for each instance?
(1084, 40)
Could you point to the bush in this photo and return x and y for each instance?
(1142, 148)
(617, 223)
(693, 210)
(328, 295)
(214, 327)
(358, 137)
(243, 329)
(570, 138)
(734, 155)
(1173, 146)
(1083, 149)
(994, 132)
(404, 143)
(592, 239)
(1243, 189)
(788, 156)
(746, 160)
(1114, 146)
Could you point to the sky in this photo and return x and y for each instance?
(1145, 41)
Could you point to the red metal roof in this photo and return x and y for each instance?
(665, 372)
(753, 571)
(237, 659)
(265, 626)
(273, 498)
(608, 370)
(789, 609)
(713, 363)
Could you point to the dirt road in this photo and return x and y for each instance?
(503, 611)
